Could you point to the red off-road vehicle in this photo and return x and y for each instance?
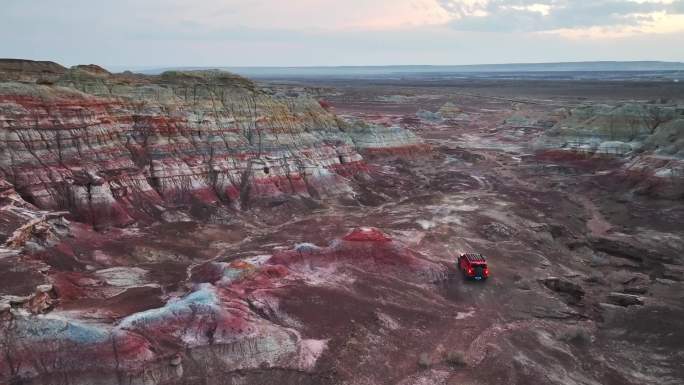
(473, 266)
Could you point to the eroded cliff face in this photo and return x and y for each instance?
(110, 327)
(124, 150)
(647, 137)
(116, 149)
(44, 72)
(619, 129)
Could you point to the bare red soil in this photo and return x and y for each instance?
(585, 287)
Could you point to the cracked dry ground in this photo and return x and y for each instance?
(559, 245)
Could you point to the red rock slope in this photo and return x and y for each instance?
(125, 148)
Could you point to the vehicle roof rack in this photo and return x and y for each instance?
(475, 257)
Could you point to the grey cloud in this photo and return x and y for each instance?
(502, 15)
(677, 7)
(136, 32)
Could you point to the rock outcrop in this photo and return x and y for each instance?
(229, 321)
(22, 224)
(649, 136)
(42, 72)
(114, 149)
(618, 129)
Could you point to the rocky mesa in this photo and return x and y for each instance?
(114, 149)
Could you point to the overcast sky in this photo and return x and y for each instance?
(154, 33)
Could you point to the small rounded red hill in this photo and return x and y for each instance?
(367, 234)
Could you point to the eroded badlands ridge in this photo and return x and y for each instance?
(230, 321)
(211, 244)
(116, 149)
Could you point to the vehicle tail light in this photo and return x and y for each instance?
(471, 271)
(486, 272)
